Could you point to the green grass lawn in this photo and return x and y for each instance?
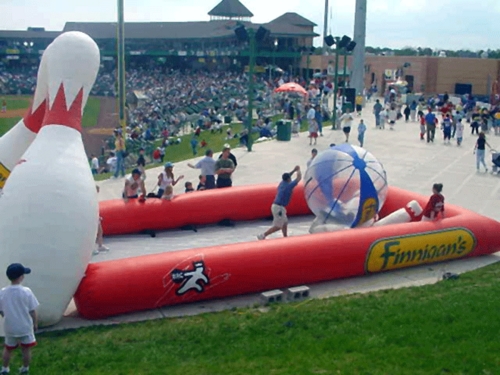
(91, 112)
(16, 101)
(183, 151)
(7, 123)
(448, 328)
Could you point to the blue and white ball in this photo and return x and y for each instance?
(346, 186)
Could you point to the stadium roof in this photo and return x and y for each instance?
(28, 35)
(230, 8)
(293, 19)
(287, 25)
(180, 30)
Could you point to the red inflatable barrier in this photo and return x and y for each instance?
(152, 281)
(204, 207)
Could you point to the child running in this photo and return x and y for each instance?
(423, 129)
(435, 205)
(18, 307)
(460, 132)
(447, 129)
(361, 133)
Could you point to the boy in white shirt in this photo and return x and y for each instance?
(18, 307)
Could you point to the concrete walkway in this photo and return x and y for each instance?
(410, 164)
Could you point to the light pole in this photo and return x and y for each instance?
(340, 44)
(121, 67)
(335, 84)
(252, 37)
(251, 72)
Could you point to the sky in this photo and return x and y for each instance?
(439, 24)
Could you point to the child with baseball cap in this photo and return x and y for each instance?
(18, 307)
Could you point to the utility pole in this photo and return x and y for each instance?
(358, 70)
(325, 27)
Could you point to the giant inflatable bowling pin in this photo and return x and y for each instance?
(404, 215)
(49, 207)
(17, 140)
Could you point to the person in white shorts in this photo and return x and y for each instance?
(278, 208)
(18, 307)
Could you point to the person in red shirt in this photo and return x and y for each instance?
(422, 127)
(435, 205)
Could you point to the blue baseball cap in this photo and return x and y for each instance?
(169, 165)
(16, 270)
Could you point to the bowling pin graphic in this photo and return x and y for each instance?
(49, 205)
(17, 140)
(406, 214)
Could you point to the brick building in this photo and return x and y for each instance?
(423, 73)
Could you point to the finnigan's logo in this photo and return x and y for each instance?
(369, 210)
(416, 249)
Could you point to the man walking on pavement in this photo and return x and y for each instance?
(430, 122)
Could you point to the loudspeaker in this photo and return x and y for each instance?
(241, 33)
(350, 95)
(463, 88)
(344, 41)
(350, 46)
(262, 34)
(329, 40)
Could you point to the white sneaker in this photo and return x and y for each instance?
(261, 237)
(103, 249)
(24, 370)
(95, 252)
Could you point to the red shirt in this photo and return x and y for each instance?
(436, 204)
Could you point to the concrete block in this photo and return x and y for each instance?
(272, 296)
(297, 293)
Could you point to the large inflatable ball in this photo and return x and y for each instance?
(346, 186)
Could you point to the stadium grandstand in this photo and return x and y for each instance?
(209, 45)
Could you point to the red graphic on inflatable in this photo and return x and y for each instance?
(59, 114)
(33, 120)
(188, 279)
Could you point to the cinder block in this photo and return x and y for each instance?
(297, 293)
(272, 296)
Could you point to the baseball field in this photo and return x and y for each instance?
(18, 105)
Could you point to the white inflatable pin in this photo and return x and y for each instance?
(404, 215)
(49, 205)
(16, 141)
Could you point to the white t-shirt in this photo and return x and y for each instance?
(165, 181)
(207, 166)
(95, 163)
(111, 162)
(347, 119)
(460, 130)
(311, 114)
(16, 302)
